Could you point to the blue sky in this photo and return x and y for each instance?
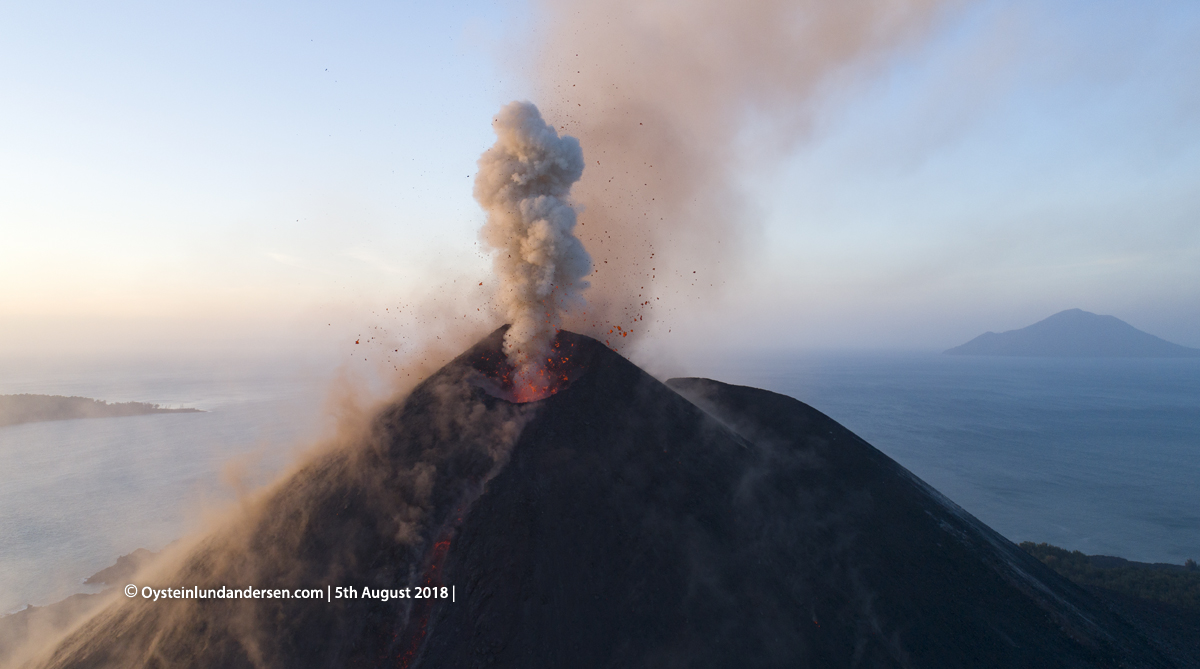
(1023, 160)
(192, 175)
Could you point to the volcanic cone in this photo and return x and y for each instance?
(620, 522)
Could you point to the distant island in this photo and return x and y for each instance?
(1075, 333)
(16, 409)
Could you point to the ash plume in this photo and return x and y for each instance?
(523, 184)
(681, 103)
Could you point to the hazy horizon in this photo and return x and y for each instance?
(250, 180)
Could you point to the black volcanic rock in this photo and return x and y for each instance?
(1075, 333)
(632, 530)
(618, 523)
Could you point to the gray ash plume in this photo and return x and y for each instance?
(523, 184)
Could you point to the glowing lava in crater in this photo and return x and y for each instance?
(499, 378)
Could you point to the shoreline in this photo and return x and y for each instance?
(31, 408)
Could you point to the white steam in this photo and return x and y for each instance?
(523, 183)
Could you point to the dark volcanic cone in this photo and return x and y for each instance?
(613, 524)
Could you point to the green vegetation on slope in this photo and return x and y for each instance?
(1173, 584)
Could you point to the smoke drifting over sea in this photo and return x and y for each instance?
(679, 104)
(523, 183)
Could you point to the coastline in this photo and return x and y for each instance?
(30, 408)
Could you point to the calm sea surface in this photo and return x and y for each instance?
(75, 494)
(1097, 455)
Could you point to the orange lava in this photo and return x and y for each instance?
(418, 623)
(552, 377)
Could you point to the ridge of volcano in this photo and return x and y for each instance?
(620, 522)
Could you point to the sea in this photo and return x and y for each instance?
(1096, 455)
(76, 494)
(1099, 455)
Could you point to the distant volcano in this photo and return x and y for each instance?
(1075, 333)
(620, 522)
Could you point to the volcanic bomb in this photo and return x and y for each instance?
(620, 522)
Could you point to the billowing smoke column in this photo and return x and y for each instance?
(523, 184)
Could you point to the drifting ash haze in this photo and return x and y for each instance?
(678, 103)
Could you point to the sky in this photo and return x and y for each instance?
(266, 176)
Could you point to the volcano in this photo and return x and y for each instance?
(620, 522)
(1075, 333)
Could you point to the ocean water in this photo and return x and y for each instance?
(1101, 456)
(1096, 455)
(76, 494)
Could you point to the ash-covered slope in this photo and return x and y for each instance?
(633, 529)
(368, 514)
(624, 526)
